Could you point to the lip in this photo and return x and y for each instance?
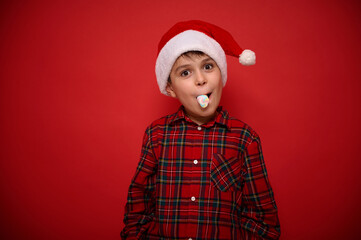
(207, 94)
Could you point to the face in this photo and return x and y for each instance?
(195, 75)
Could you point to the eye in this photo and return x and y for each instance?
(208, 66)
(185, 73)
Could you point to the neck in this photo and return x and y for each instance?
(202, 120)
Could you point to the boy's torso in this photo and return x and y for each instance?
(198, 180)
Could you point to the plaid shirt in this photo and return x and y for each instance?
(200, 182)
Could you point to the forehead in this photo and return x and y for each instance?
(190, 57)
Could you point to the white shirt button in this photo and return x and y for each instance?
(193, 198)
(195, 161)
(199, 128)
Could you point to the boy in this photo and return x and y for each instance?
(201, 174)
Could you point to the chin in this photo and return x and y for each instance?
(209, 111)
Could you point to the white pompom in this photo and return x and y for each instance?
(247, 58)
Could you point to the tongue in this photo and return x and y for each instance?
(203, 100)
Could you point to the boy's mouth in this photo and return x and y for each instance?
(208, 94)
(203, 100)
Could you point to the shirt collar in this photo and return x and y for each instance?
(221, 118)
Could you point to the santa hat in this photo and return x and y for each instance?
(201, 36)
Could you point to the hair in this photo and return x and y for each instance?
(188, 54)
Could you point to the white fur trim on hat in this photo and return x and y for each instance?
(186, 41)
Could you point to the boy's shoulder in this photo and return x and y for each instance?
(165, 120)
(238, 126)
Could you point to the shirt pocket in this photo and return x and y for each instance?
(226, 174)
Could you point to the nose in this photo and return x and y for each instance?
(200, 79)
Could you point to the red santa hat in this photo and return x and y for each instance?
(201, 36)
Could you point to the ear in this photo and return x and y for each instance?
(170, 90)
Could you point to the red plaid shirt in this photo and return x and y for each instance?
(200, 182)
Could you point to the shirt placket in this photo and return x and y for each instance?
(194, 176)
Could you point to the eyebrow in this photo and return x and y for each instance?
(188, 65)
(207, 59)
(182, 66)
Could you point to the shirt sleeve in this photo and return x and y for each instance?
(259, 211)
(140, 207)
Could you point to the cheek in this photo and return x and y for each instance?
(183, 95)
(219, 91)
(185, 88)
(219, 84)
(217, 79)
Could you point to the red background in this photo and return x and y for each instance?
(78, 89)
